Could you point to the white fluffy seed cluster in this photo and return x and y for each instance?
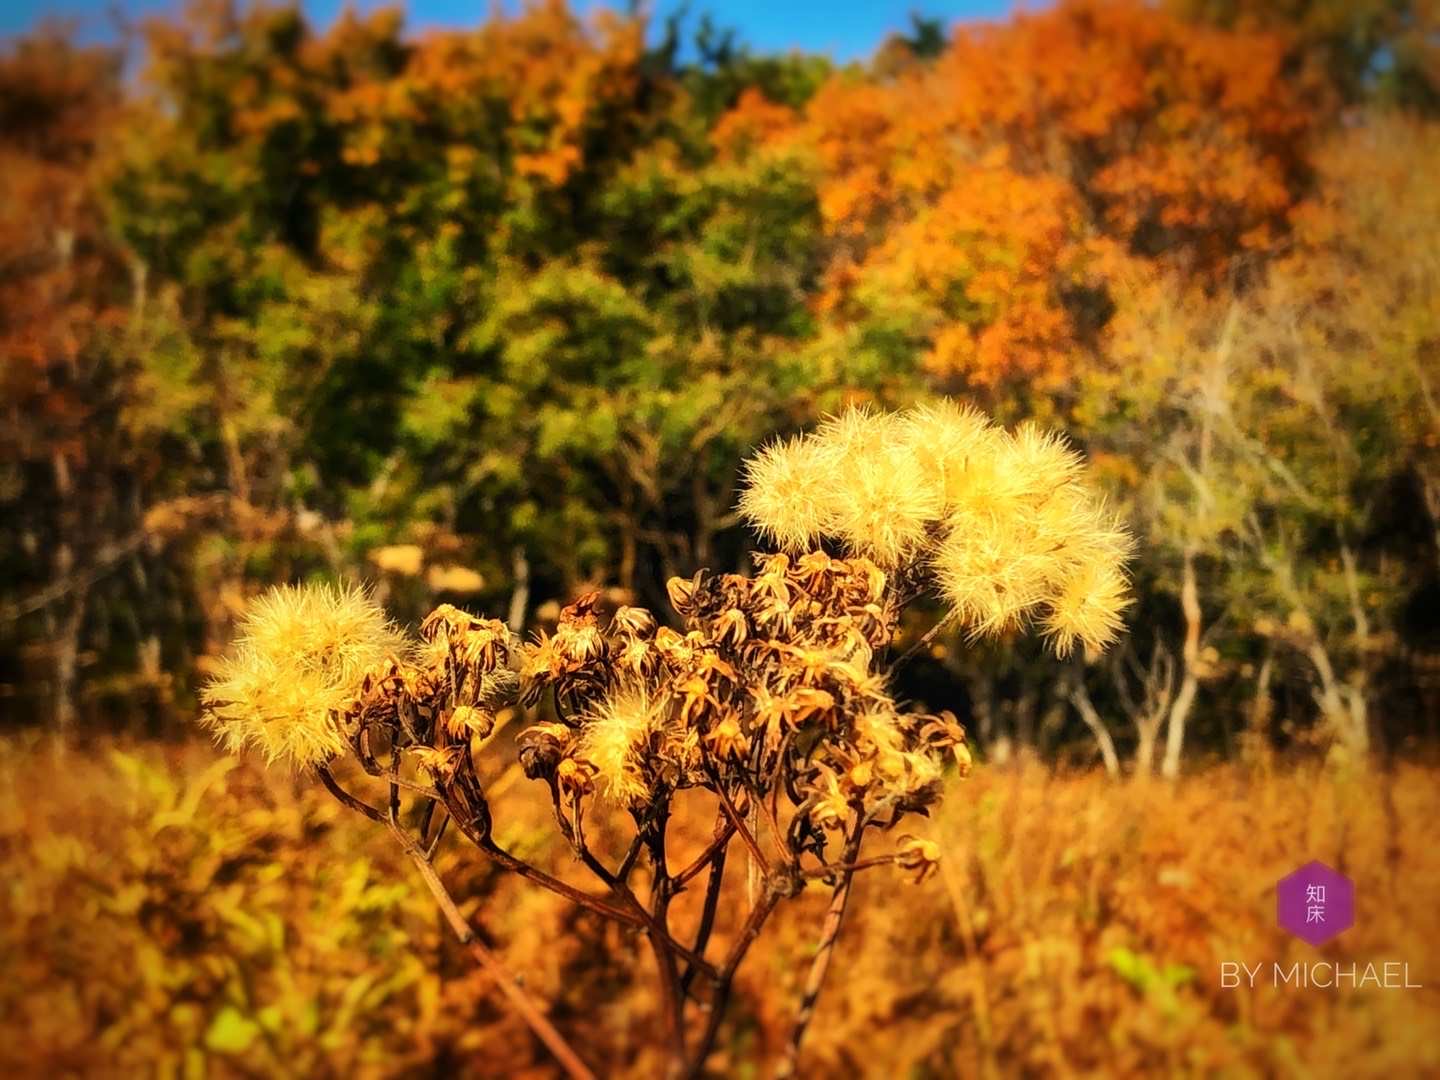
(298, 657)
(1003, 523)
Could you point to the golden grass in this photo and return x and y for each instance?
(166, 911)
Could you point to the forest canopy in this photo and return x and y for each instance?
(492, 316)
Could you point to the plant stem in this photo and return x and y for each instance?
(930, 636)
(739, 823)
(672, 999)
(820, 966)
(528, 1010)
(707, 914)
(721, 1000)
(524, 1005)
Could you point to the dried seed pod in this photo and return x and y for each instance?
(727, 741)
(682, 593)
(633, 621)
(922, 856)
(467, 721)
(541, 748)
(732, 628)
(575, 776)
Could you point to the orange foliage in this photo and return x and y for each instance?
(55, 101)
(998, 179)
(558, 81)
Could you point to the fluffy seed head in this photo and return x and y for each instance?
(300, 653)
(788, 495)
(1088, 610)
(1004, 523)
(945, 438)
(885, 499)
(615, 738)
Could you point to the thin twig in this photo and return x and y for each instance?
(930, 635)
(672, 998)
(820, 966)
(531, 1013)
(721, 999)
(736, 820)
(707, 914)
(706, 857)
(829, 870)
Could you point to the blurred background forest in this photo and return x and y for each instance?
(491, 316)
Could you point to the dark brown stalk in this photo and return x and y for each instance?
(529, 1012)
(829, 870)
(524, 1005)
(930, 635)
(720, 1002)
(672, 1000)
(707, 915)
(480, 837)
(728, 805)
(724, 831)
(820, 966)
(345, 798)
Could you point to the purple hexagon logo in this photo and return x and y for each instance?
(1315, 903)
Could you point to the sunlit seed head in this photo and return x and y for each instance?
(298, 658)
(854, 479)
(616, 737)
(1042, 459)
(788, 494)
(886, 501)
(945, 437)
(989, 573)
(1088, 610)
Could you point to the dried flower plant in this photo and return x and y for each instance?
(772, 694)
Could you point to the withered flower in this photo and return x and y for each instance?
(775, 697)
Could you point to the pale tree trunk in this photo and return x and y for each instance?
(520, 591)
(1147, 730)
(1343, 707)
(982, 705)
(67, 653)
(1430, 489)
(1080, 698)
(1184, 702)
(1257, 736)
(1343, 704)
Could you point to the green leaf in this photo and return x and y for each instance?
(231, 1032)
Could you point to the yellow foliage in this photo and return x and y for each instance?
(169, 911)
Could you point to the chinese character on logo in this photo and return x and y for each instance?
(1315, 903)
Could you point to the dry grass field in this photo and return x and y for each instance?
(170, 912)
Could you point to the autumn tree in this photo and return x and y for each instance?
(978, 205)
(70, 513)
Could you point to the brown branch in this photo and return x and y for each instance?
(820, 966)
(672, 997)
(531, 1013)
(721, 999)
(524, 1005)
(706, 857)
(480, 837)
(829, 870)
(930, 635)
(707, 914)
(728, 805)
(345, 798)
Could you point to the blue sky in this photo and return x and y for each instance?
(846, 29)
